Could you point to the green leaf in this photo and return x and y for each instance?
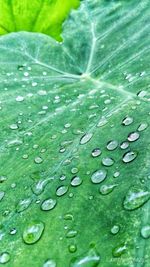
(74, 122)
(45, 16)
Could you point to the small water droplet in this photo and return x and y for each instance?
(107, 162)
(49, 263)
(2, 194)
(127, 121)
(133, 136)
(112, 145)
(90, 259)
(86, 138)
(19, 98)
(38, 160)
(142, 127)
(145, 231)
(62, 190)
(33, 232)
(115, 229)
(13, 231)
(107, 189)
(119, 250)
(74, 170)
(72, 248)
(116, 174)
(48, 204)
(76, 181)
(136, 197)
(71, 233)
(4, 257)
(98, 176)
(23, 204)
(13, 126)
(129, 156)
(96, 152)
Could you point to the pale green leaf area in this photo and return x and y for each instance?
(74, 141)
(45, 16)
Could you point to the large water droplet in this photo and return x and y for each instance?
(129, 156)
(136, 197)
(127, 121)
(86, 138)
(96, 152)
(98, 176)
(4, 257)
(76, 181)
(33, 232)
(112, 145)
(91, 259)
(133, 136)
(61, 190)
(107, 162)
(48, 204)
(145, 231)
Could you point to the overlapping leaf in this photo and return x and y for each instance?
(44, 16)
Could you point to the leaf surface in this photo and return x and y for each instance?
(74, 141)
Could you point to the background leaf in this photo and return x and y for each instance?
(75, 141)
(45, 16)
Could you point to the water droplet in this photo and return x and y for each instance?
(116, 174)
(4, 257)
(107, 162)
(13, 231)
(124, 145)
(145, 231)
(23, 204)
(13, 126)
(129, 156)
(86, 138)
(49, 263)
(33, 232)
(119, 250)
(68, 217)
(3, 178)
(98, 176)
(34, 84)
(71, 233)
(72, 248)
(74, 170)
(62, 190)
(136, 197)
(133, 136)
(112, 145)
(107, 189)
(38, 160)
(127, 121)
(76, 181)
(102, 122)
(2, 194)
(115, 229)
(142, 127)
(96, 152)
(48, 204)
(19, 98)
(90, 259)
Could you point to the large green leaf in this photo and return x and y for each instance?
(75, 143)
(44, 16)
